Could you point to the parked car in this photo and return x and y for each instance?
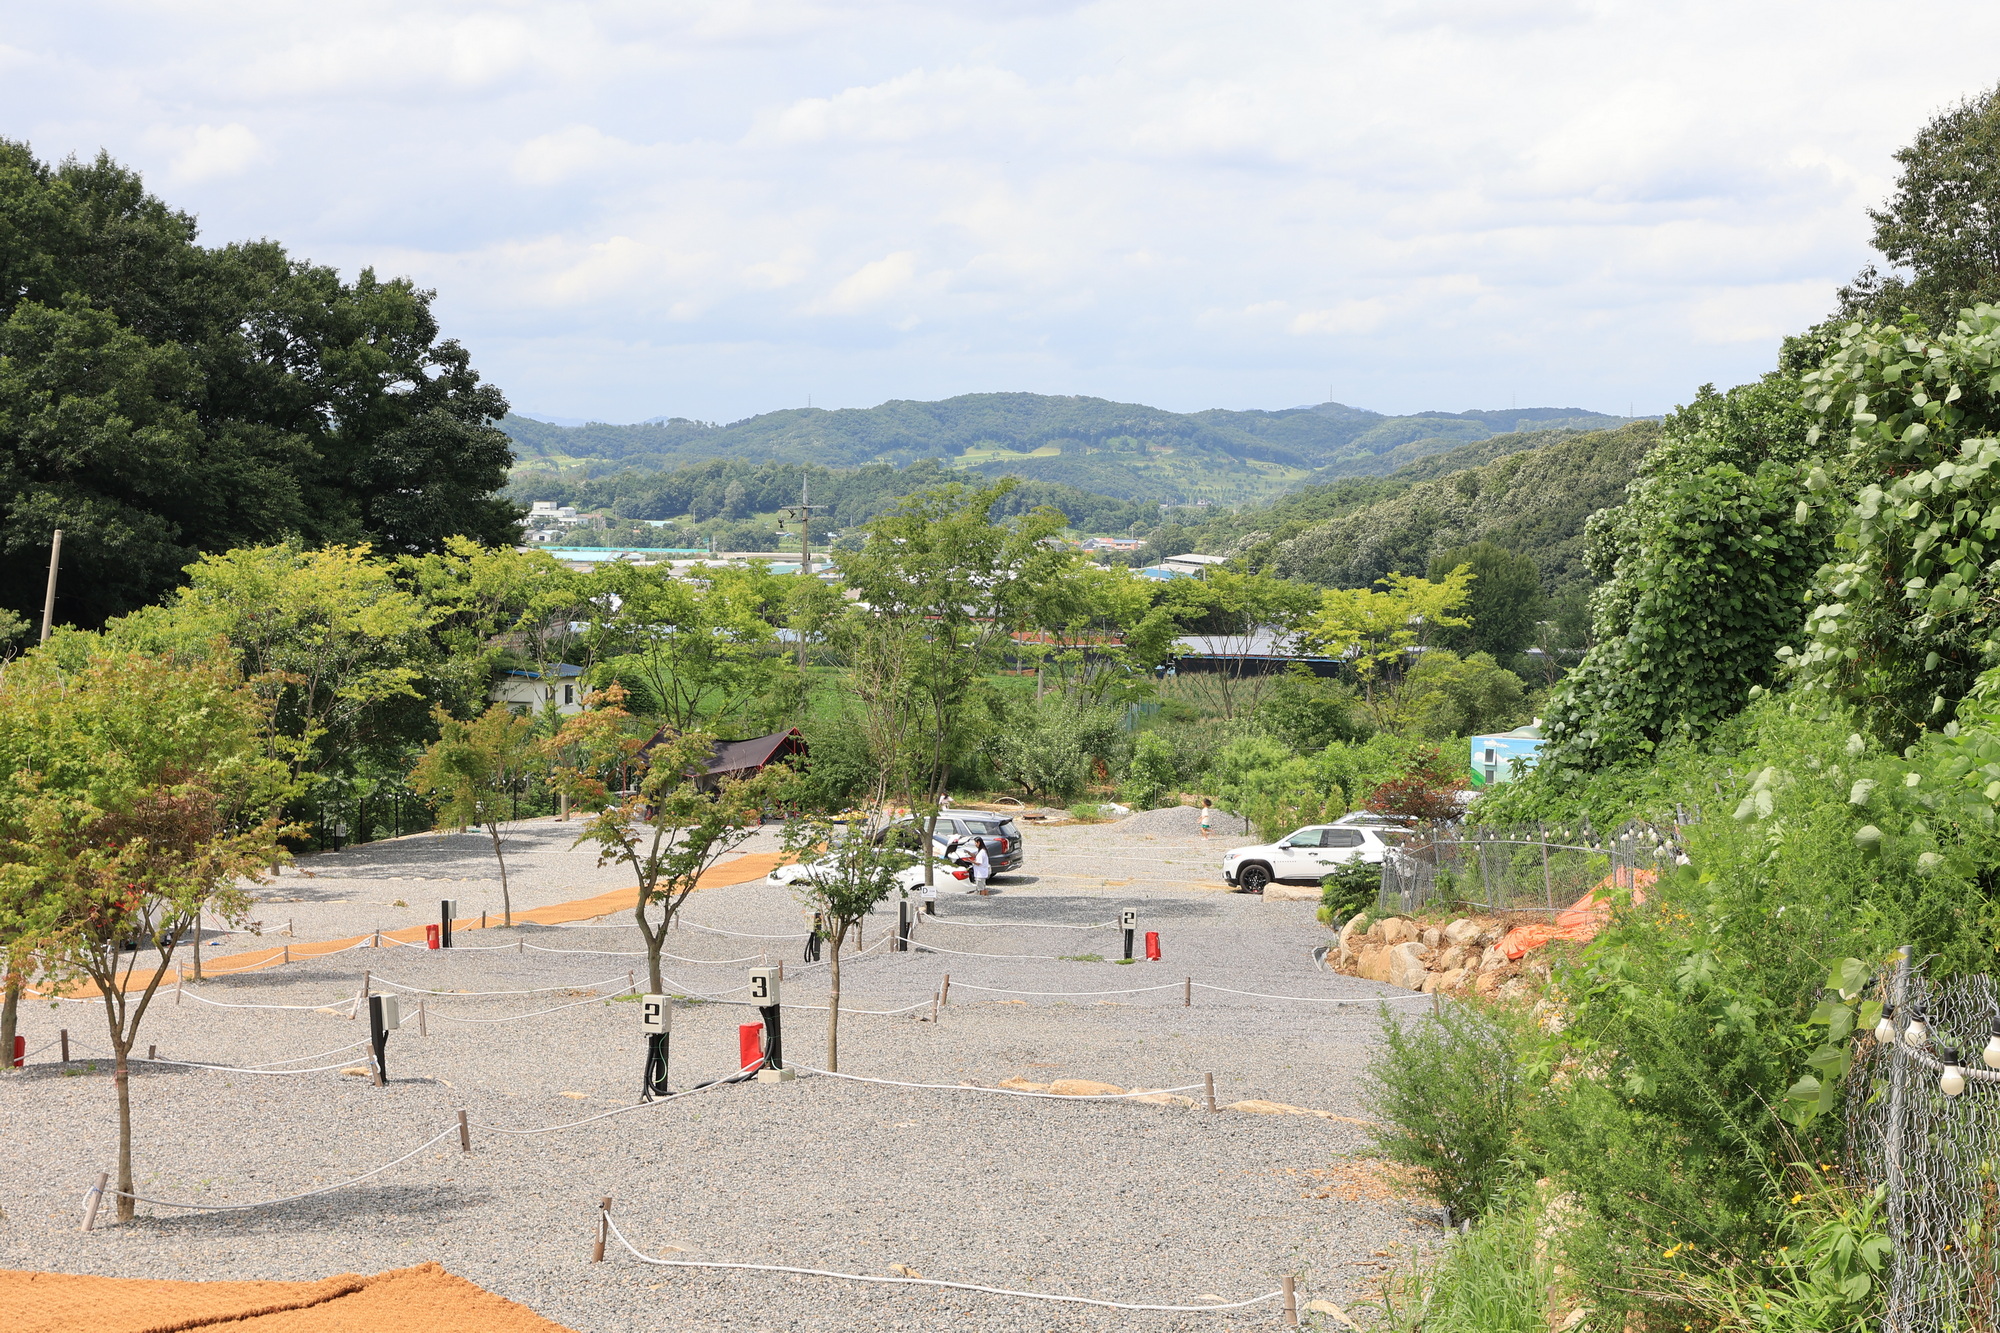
(1373, 819)
(1308, 854)
(999, 834)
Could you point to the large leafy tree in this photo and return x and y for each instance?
(134, 792)
(1505, 604)
(1940, 231)
(160, 399)
(943, 587)
(1907, 616)
(1707, 565)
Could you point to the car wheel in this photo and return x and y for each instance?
(1252, 879)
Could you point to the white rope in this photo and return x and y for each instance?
(1312, 999)
(621, 1110)
(880, 1013)
(1008, 1092)
(538, 990)
(268, 1067)
(266, 1203)
(509, 1018)
(924, 1281)
(1004, 990)
(740, 934)
(223, 1004)
(962, 953)
(37, 1051)
(1010, 925)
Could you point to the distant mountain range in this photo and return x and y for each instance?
(1123, 450)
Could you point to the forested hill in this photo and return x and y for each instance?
(1122, 450)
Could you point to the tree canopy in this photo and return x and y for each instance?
(160, 399)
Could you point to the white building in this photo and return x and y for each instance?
(530, 692)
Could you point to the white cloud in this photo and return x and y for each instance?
(207, 152)
(712, 207)
(874, 282)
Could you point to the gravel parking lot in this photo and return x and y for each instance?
(1116, 1200)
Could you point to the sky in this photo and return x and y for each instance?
(714, 208)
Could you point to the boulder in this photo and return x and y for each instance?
(1431, 936)
(1397, 930)
(1349, 941)
(1406, 966)
(1275, 892)
(1451, 958)
(1372, 964)
(1489, 983)
(1448, 983)
(1520, 988)
(1462, 931)
(1492, 958)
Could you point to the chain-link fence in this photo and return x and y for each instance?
(1523, 869)
(1937, 1156)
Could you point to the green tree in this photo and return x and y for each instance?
(943, 588)
(1941, 229)
(698, 654)
(476, 770)
(1307, 713)
(1238, 621)
(1505, 603)
(1376, 632)
(134, 791)
(847, 873)
(1046, 747)
(668, 822)
(1707, 566)
(1901, 625)
(1445, 696)
(329, 637)
(160, 399)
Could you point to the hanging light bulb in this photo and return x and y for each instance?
(1991, 1055)
(1952, 1081)
(1885, 1029)
(1914, 1032)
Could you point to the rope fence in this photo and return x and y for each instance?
(927, 1281)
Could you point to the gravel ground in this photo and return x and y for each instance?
(1117, 1200)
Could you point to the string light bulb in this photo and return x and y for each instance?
(1885, 1027)
(1952, 1081)
(1915, 1034)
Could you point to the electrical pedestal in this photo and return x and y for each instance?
(764, 988)
(656, 1020)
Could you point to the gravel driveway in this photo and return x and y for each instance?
(1122, 1201)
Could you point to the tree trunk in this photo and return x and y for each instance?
(833, 999)
(506, 902)
(122, 1078)
(10, 1015)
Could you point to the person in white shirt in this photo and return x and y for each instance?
(982, 867)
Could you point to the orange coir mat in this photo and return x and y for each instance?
(424, 1299)
(742, 870)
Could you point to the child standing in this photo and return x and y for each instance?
(1207, 815)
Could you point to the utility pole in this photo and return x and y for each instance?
(801, 513)
(49, 602)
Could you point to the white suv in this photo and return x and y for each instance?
(1307, 854)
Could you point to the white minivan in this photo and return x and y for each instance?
(1308, 854)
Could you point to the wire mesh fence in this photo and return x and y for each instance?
(1937, 1157)
(1524, 869)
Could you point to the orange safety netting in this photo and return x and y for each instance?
(1581, 920)
(742, 870)
(424, 1299)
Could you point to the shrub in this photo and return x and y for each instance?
(1447, 1091)
(1154, 778)
(1496, 1278)
(1348, 890)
